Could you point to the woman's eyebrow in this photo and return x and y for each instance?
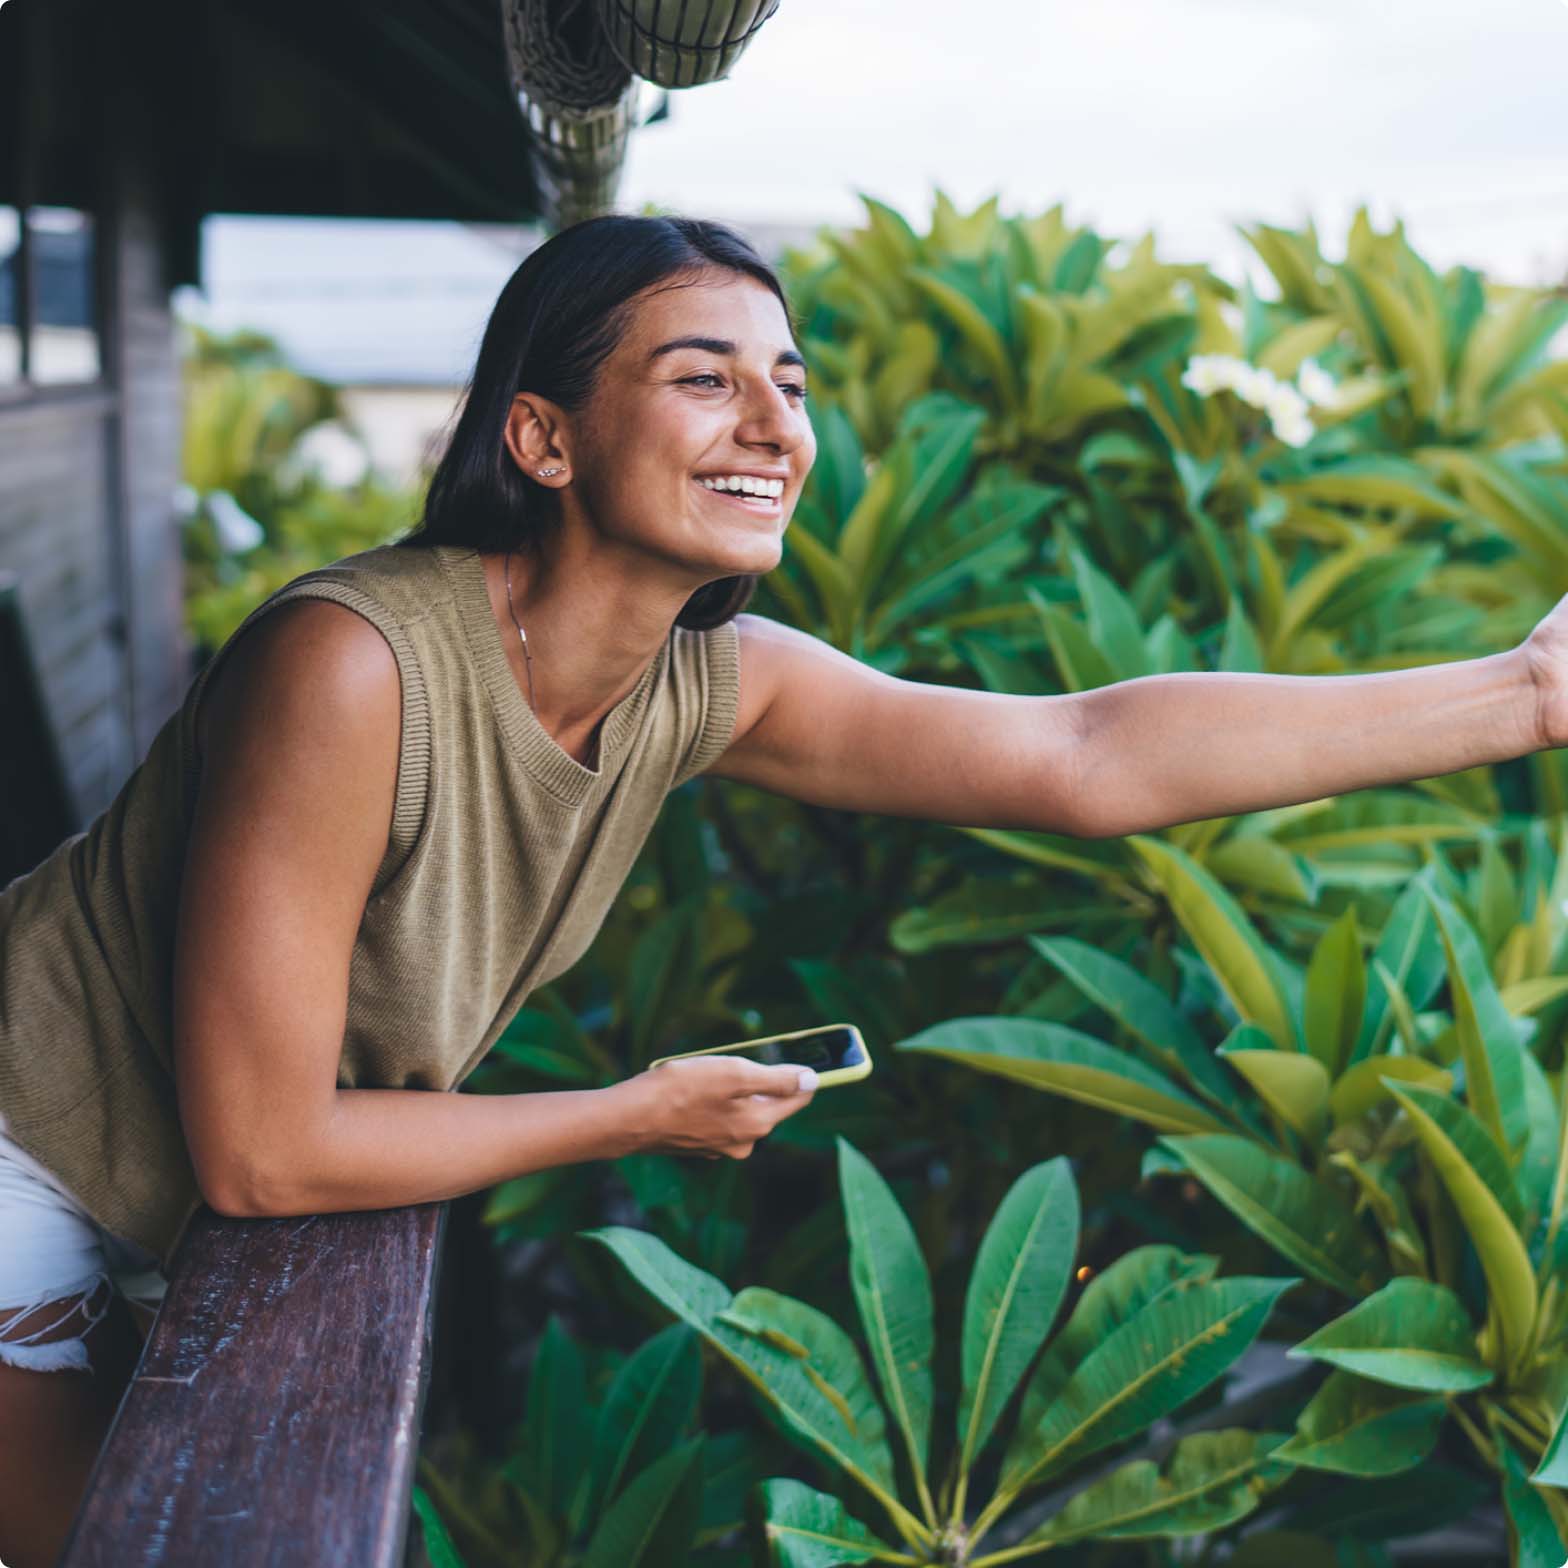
(721, 346)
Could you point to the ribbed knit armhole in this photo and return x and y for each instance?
(721, 651)
(413, 761)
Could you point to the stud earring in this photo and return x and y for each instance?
(549, 473)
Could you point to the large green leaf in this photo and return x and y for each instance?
(1110, 1299)
(1305, 1220)
(1336, 994)
(1292, 1084)
(1254, 978)
(1179, 1344)
(1481, 1186)
(893, 1292)
(827, 1355)
(557, 1422)
(1535, 1172)
(1553, 1468)
(439, 1546)
(1141, 1007)
(652, 1523)
(1488, 1036)
(1355, 1427)
(1538, 1543)
(1411, 1334)
(1210, 1480)
(1063, 1061)
(1113, 623)
(651, 1401)
(1361, 1088)
(809, 1529)
(1409, 948)
(777, 1374)
(1019, 1278)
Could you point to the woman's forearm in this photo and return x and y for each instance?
(1185, 747)
(384, 1148)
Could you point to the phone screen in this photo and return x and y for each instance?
(822, 1049)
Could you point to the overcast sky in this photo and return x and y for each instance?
(1182, 116)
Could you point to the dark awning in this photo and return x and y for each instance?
(328, 108)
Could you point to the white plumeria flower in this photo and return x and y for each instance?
(1208, 373)
(1256, 386)
(1286, 407)
(1294, 431)
(1284, 404)
(1319, 386)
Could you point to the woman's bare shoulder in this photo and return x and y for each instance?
(311, 663)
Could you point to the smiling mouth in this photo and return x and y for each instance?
(763, 505)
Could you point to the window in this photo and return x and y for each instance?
(63, 341)
(10, 302)
(50, 309)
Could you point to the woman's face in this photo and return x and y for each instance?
(667, 413)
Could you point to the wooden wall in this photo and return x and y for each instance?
(88, 473)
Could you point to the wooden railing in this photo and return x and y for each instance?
(274, 1415)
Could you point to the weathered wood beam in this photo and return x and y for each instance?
(274, 1415)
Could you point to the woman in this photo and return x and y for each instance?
(428, 768)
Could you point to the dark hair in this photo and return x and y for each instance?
(560, 316)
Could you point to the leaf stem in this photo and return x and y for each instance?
(1518, 1428)
(1541, 1431)
(1011, 1554)
(992, 1512)
(1484, 1448)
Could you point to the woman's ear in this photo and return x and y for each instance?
(535, 434)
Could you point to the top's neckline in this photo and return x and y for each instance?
(533, 745)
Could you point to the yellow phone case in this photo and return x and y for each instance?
(825, 1080)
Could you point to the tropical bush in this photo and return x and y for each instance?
(1148, 1335)
(1412, 1160)
(620, 1482)
(258, 512)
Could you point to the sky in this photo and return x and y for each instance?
(1184, 117)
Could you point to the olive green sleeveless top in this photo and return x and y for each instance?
(504, 856)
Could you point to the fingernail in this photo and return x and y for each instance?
(808, 1079)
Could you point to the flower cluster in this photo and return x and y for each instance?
(1288, 405)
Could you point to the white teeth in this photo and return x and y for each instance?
(746, 485)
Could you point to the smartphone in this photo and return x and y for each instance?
(835, 1051)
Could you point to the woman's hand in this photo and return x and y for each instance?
(1546, 655)
(711, 1105)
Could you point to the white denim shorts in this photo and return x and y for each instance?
(51, 1250)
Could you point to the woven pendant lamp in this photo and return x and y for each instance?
(682, 43)
(579, 99)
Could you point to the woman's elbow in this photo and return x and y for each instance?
(240, 1192)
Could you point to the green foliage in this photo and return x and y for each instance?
(611, 1483)
(1429, 1187)
(1155, 1334)
(246, 413)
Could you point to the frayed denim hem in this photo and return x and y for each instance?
(61, 1355)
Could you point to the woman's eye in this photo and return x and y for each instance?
(708, 375)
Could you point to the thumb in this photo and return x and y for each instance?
(785, 1080)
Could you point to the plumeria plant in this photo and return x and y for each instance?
(1412, 1160)
(1148, 1334)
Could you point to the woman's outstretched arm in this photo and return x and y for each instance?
(820, 726)
(292, 815)
(1185, 747)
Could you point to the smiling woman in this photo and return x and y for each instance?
(359, 845)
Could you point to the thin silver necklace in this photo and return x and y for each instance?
(521, 633)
